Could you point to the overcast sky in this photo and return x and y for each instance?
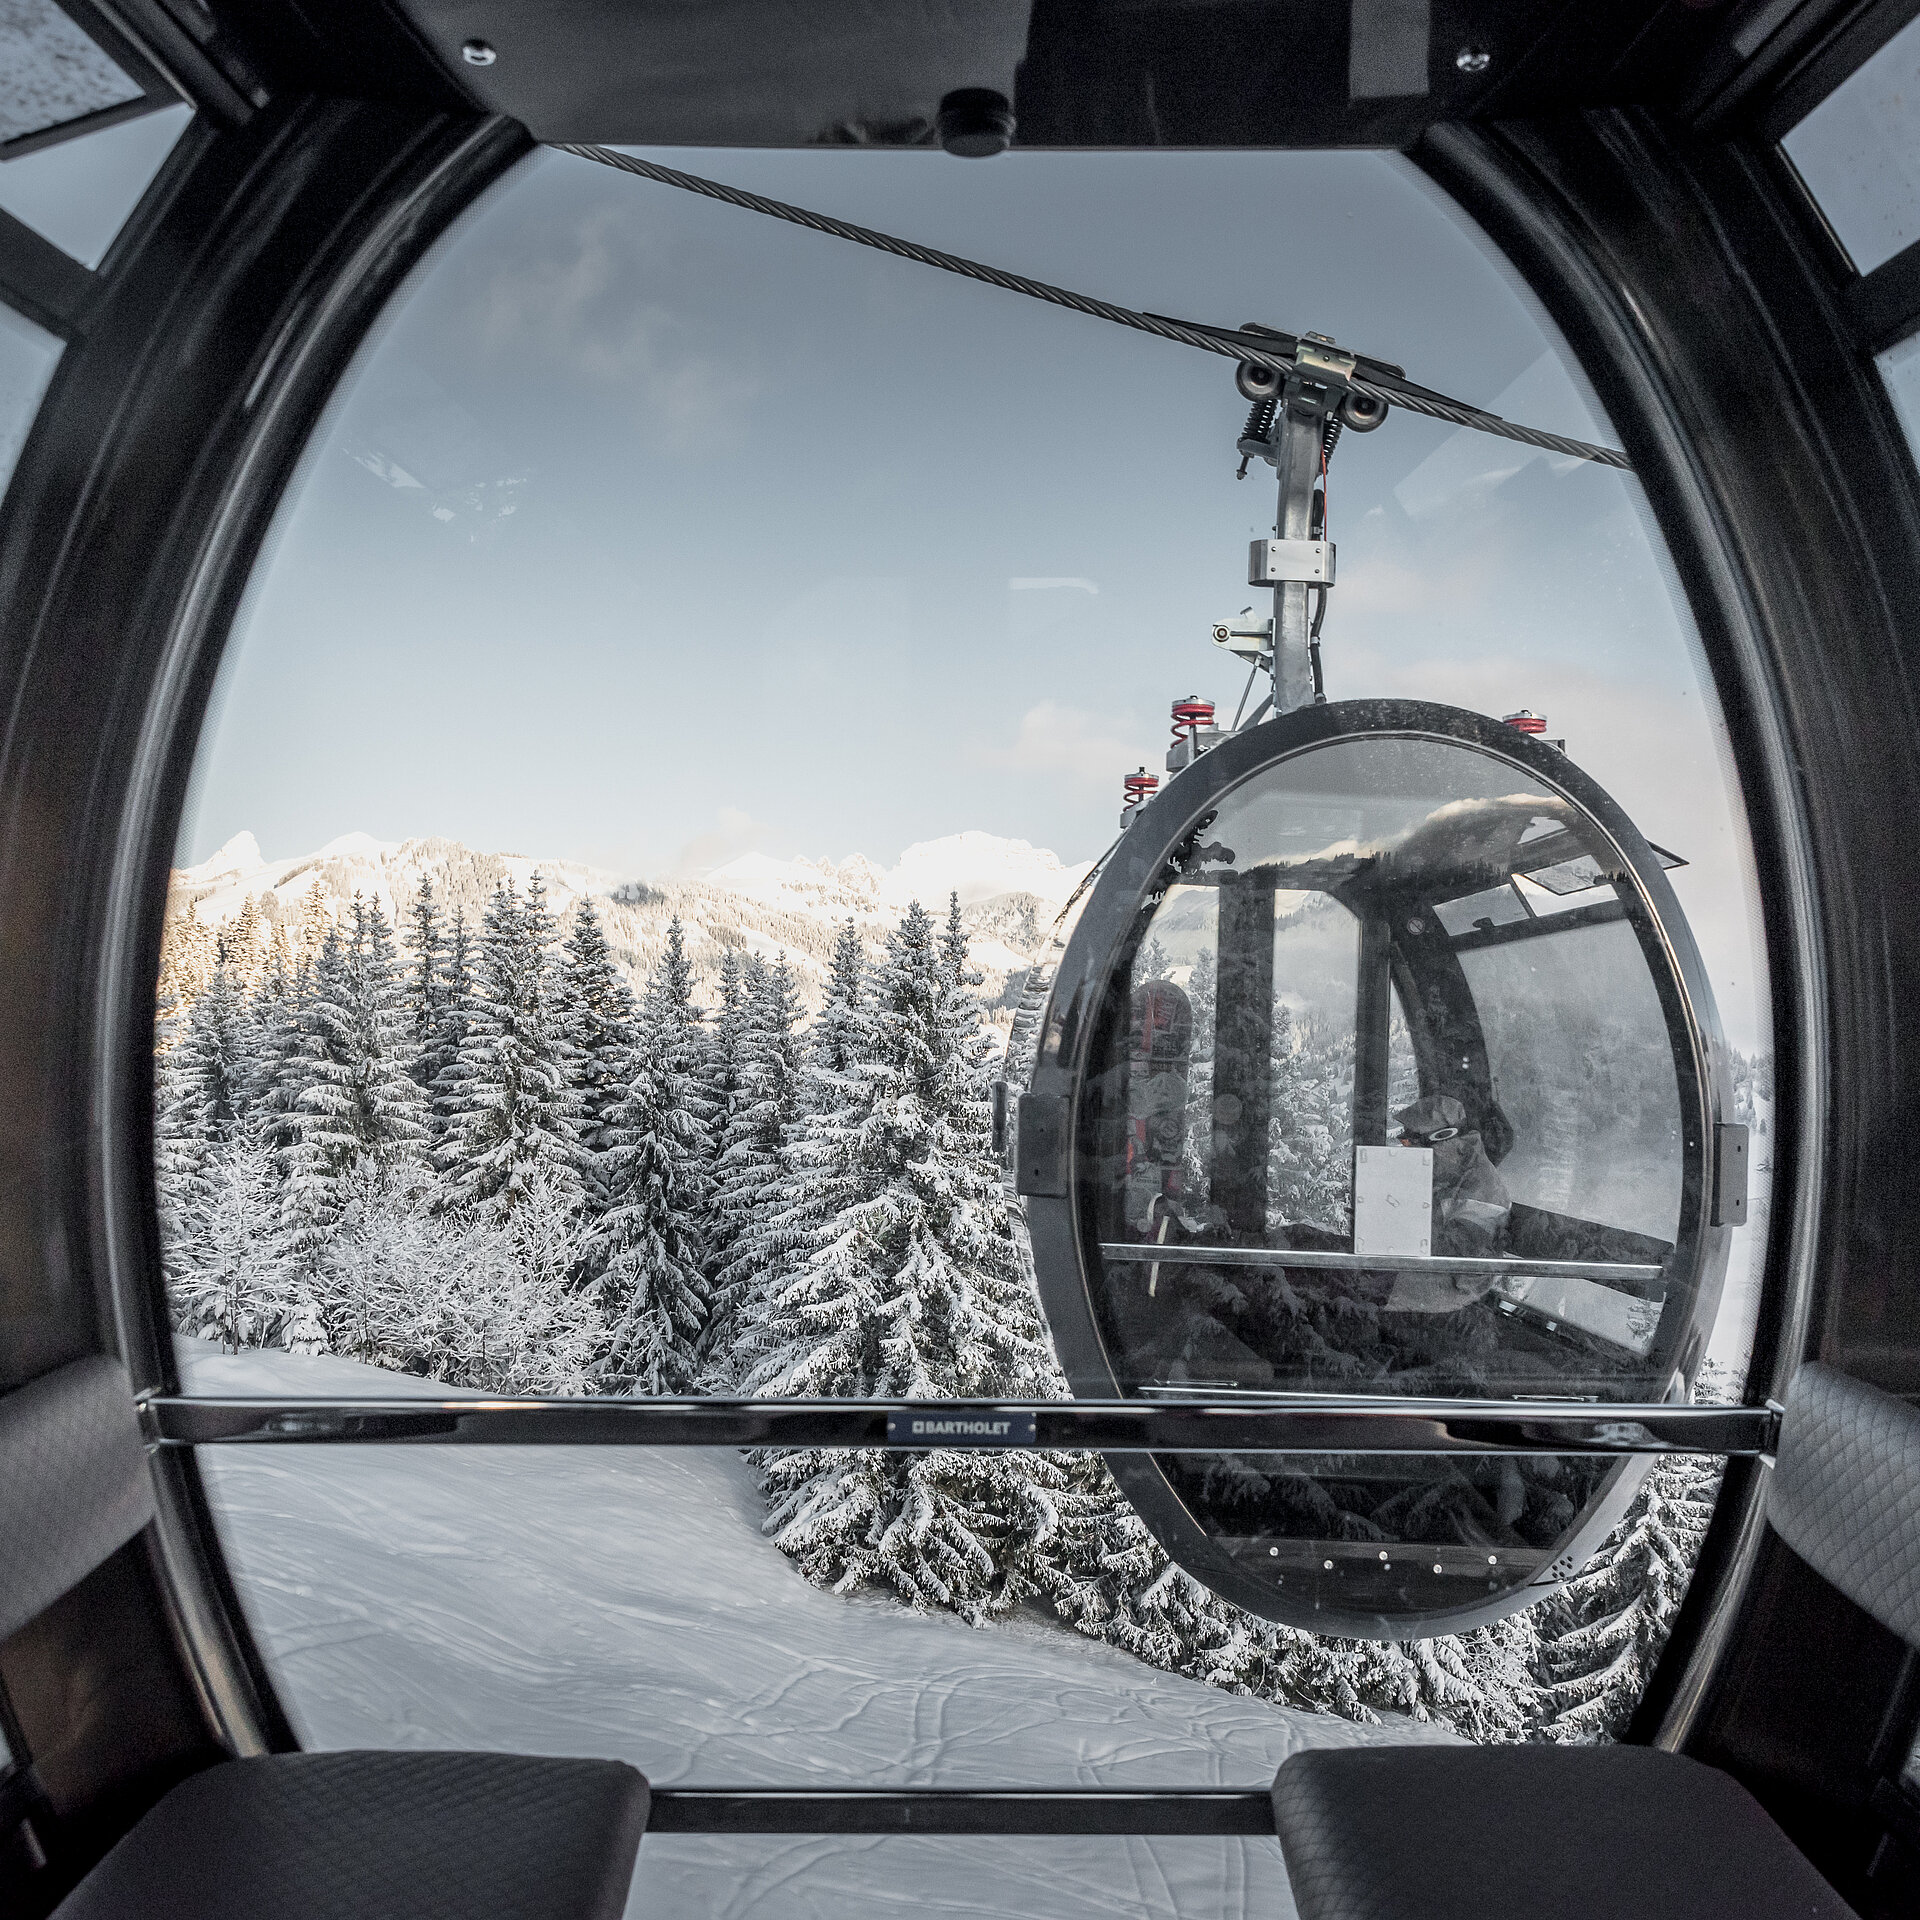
(648, 532)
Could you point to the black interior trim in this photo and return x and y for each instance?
(42, 281)
(1083, 1810)
(1846, 48)
(1885, 304)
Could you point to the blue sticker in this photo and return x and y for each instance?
(963, 1427)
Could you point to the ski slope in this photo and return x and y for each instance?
(593, 1601)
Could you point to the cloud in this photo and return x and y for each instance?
(733, 833)
(576, 298)
(1068, 740)
(1041, 583)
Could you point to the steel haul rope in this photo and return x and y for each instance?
(1229, 346)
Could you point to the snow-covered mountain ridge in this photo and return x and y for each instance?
(1009, 893)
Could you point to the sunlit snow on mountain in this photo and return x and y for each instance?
(1009, 892)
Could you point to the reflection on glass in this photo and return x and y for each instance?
(1900, 369)
(1389, 1101)
(28, 356)
(1859, 153)
(78, 194)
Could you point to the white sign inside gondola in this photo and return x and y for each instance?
(1393, 1201)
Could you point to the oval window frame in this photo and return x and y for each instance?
(1060, 1222)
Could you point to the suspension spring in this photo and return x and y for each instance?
(1189, 715)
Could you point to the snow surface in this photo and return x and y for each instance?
(593, 1601)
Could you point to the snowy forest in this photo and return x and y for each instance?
(477, 1152)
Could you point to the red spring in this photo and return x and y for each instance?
(1525, 722)
(1189, 715)
(1140, 786)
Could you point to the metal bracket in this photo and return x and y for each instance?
(1294, 444)
(1730, 1148)
(1316, 358)
(1272, 562)
(1040, 1145)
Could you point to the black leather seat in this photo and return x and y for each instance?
(1534, 1833)
(1618, 1833)
(379, 1836)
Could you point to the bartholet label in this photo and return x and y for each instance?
(957, 1429)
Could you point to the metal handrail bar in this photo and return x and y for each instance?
(1494, 1266)
(1277, 1423)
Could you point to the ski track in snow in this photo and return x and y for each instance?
(624, 1603)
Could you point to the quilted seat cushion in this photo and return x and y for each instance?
(1845, 1494)
(73, 1482)
(379, 1836)
(1534, 1833)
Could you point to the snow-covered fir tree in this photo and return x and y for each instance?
(352, 1098)
(911, 1286)
(650, 1287)
(1599, 1636)
(748, 1189)
(800, 1196)
(838, 1031)
(224, 1254)
(719, 1066)
(511, 1111)
(426, 984)
(203, 1082)
(595, 1023)
(440, 1055)
(340, 1105)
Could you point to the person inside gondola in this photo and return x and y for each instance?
(1471, 1203)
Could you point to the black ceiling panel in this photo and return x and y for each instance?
(1083, 73)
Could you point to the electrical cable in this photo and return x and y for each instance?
(1376, 384)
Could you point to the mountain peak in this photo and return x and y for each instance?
(357, 846)
(241, 855)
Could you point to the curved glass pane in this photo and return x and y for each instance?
(727, 577)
